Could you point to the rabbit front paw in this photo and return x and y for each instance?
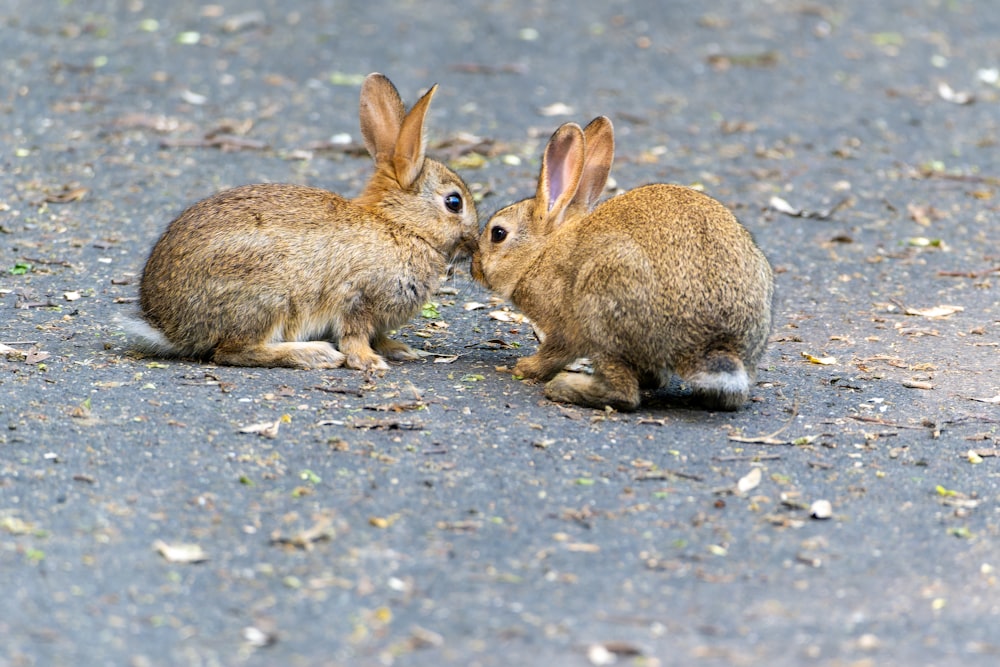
(395, 350)
(531, 368)
(360, 355)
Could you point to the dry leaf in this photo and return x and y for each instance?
(917, 384)
(607, 653)
(823, 361)
(35, 356)
(749, 481)
(446, 360)
(782, 206)
(267, 429)
(936, 312)
(305, 539)
(557, 109)
(955, 97)
(180, 553)
(71, 296)
(66, 194)
(508, 316)
(474, 305)
(995, 400)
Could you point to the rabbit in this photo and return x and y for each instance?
(274, 274)
(657, 281)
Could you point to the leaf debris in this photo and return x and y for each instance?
(180, 553)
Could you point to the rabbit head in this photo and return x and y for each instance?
(574, 172)
(407, 185)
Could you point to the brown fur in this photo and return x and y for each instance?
(274, 274)
(661, 279)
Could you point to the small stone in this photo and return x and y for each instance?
(821, 509)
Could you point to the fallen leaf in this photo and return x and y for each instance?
(508, 316)
(474, 305)
(749, 481)
(557, 109)
(917, 384)
(180, 553)
(305, 539)
(259, 638)
(936, 312)
(946, 93)
(65, 195)
(267, 429)
(823, 361)
(35, 356)
(607, 653)
(994, 400)
(386, 424)
(782, 206)
(71, 296)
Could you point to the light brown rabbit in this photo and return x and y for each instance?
(272, 275)
(659, 280)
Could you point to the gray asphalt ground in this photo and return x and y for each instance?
(445, 513)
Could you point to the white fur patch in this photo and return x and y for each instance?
(144, 337)
(722, 383)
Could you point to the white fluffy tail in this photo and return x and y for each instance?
(144, 338)
(722, 383)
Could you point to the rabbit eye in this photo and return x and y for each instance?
(498, 234)
(453, 202)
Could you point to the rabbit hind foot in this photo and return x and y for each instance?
(306, 354)
(616, 387)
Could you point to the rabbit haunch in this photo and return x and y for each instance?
(274, 274)
(659, 280)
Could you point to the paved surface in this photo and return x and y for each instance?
(445, 513)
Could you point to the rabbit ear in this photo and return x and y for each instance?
(381, 114)
(562, 166)
(408, 156)
(599, 153)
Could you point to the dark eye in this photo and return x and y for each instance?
(453, 202)
(498, 234)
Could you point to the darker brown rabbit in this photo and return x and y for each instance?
(275, 275)
(659, 280)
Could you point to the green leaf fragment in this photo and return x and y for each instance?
(345, 79)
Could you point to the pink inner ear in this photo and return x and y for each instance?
(558, 178)
(557, 183)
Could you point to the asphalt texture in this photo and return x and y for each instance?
(445, 512)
